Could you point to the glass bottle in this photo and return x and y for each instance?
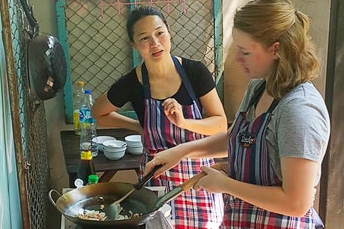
(85, 168)
(88, 128)
(77, 97)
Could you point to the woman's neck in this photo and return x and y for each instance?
(161, 68)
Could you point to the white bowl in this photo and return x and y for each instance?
(114, 149)
(133, 140)
(135, 150)
(114, 155)
(100, 139)
(114, 145)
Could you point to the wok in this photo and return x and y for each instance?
(45, 59)
(91, 197)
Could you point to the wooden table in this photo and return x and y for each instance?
(70, 145)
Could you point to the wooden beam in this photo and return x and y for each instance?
(331, 203)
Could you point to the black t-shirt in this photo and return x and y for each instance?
(129, 89)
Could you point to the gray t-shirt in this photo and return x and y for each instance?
(299, 125)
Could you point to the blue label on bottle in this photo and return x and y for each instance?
(81, 116)
(85, 116)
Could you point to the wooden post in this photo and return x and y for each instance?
(331, 203)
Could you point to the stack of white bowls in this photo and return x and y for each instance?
(114, 149)
(134, 144)
(100, 140)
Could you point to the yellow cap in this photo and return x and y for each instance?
(86, 155)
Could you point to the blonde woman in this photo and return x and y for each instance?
(277, 142)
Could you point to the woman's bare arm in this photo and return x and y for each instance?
(105, 114)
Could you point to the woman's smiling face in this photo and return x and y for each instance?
(151, 38)
(256, 60)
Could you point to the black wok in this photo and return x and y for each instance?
(91, 197)
(45, 59)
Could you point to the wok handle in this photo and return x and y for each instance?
(193, 180)
(146, 178)
(29, 15)
(190, 183)
(51, 198)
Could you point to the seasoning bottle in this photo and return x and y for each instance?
(93, 179)
(77, 98)
(88, 128)
(85, 168)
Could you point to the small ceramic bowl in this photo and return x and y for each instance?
(135, 150)
(133, 140)
(100, 140)
(114, 144)
(114, 149)
(114, 155)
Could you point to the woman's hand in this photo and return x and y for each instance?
(214, 118)
(174, 112)
(167, 158)
(212, 181)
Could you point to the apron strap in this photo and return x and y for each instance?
(145, 81)
(186, 82)
(273, 105)
(182, 75)
(257, 94)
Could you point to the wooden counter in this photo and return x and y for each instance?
(70, 144)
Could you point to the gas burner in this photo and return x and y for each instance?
(157, 222)
(97, 227)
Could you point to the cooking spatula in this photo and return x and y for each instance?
(115, 207)
(184, 187)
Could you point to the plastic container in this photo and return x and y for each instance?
(77, 98)
(88, 128)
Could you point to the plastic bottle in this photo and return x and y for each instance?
(77, 97)
(85, 168)
(93, 179)
(88, 128)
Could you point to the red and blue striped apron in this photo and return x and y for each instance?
(192, 209)
(248, 161)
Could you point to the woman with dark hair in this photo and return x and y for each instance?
(176, 101)
(277, 142)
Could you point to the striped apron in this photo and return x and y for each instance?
(248, 161)
(192, 209)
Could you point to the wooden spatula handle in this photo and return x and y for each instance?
(193, 180)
